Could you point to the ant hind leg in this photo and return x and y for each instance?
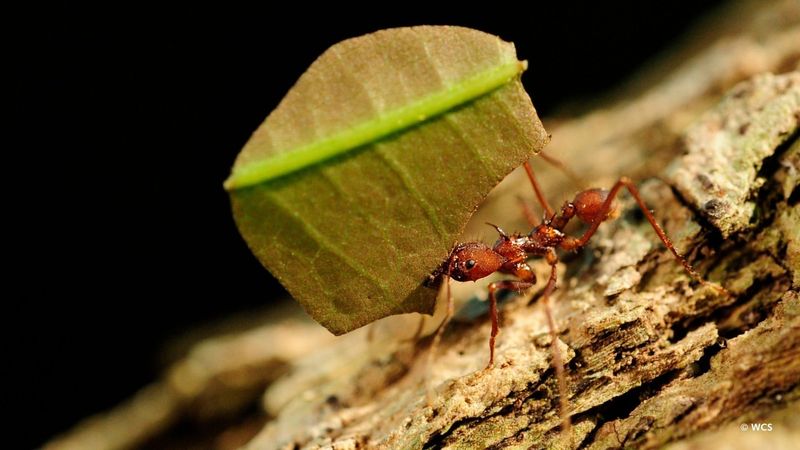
(602, 213)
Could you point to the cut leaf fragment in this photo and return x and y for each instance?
(357, 185)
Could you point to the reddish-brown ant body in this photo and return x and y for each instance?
(472, 261)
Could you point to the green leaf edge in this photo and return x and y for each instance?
(374, 129)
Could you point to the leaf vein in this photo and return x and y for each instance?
(408, 183)
(372, 220)
(456, 127)
(325, 243)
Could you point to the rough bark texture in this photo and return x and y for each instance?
(652, 358)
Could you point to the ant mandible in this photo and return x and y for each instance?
(472, 261)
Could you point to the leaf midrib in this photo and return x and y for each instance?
(373, 129)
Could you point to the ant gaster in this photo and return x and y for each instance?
(472, 261)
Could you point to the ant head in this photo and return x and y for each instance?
(589, 206)
(473, 261)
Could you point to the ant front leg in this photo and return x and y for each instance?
(538, 191)
(509, 285)
(437, 337)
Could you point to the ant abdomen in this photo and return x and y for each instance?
(589, 206)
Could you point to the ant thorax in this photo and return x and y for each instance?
(511, 248)
(542, 238)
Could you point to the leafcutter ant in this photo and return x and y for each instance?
(472, 261)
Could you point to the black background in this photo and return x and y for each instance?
(130, 121)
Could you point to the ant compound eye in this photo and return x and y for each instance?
(469, 264)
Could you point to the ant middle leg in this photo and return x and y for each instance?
(557, 362)
(509, 285)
